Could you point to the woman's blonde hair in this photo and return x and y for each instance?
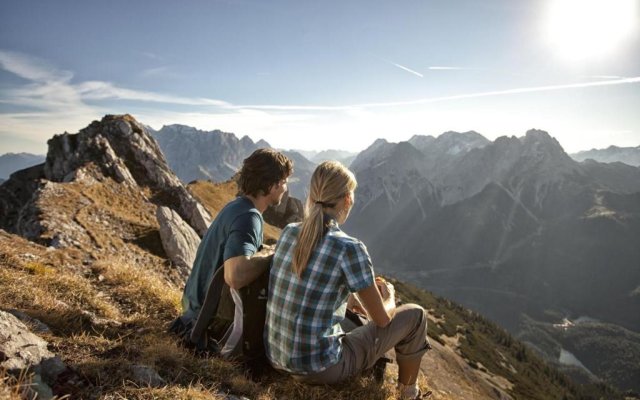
(331, 181)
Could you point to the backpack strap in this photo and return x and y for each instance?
(209, 307)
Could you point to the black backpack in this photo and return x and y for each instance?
(209, 333)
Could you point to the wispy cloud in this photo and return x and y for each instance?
(51, 88)
(31, 68)
(151, 55)
(159, 72)
(99, 90)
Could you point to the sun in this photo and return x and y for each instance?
(584, 30)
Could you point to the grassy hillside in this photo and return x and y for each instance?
(487, 347)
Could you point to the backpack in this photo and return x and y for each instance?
(223, 329)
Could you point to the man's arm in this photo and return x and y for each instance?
(242, 270)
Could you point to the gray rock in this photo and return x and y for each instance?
(179, 240)
(145, 375)
(22, 351)
(36, 325)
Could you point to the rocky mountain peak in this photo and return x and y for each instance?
(115, 149)
(454, 143)
(118, 145)
(538, 144)
(378, 143)
(421, 142)
(262, 143)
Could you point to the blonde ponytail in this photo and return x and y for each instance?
(330, 182)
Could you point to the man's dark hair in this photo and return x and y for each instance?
(261, 170)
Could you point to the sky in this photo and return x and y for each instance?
(316, 75)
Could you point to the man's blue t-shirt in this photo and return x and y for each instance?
(236, 231)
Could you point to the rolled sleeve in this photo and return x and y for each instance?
(243, 239)
(357, 267)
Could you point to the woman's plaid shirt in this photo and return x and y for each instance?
(302, 332)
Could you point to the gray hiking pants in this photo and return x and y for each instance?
(362, 347)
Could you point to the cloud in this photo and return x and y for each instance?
(151, 55)
(99, 90)
(31, 68)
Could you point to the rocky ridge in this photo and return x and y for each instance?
(612, 154)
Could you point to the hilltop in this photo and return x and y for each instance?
(84, 264)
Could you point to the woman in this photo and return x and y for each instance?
(315, 268)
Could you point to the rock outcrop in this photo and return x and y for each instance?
(179, 240)
(123, 150)
(87, 172)
(21, 351)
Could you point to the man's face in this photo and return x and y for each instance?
(278, 190)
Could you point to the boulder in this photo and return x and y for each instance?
(22, 351)
(179, 240)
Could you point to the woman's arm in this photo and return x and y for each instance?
(379, 312)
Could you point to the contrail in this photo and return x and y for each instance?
(407, 69)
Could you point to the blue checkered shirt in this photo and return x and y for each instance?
(302, 331)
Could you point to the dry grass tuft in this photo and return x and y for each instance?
(56, 293)
(195, 392)
(138, 290)
(12, 387)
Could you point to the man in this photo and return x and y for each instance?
(234, 240)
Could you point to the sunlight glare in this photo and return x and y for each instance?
(581, 30)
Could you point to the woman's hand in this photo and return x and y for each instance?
(354, 305)
(385, 288)
(378, 310)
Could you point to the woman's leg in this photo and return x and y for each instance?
(407, 333)
(408, 370)
(362, 347)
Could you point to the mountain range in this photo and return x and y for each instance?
(627, 155)
(216, 155)
(345, 157)
(515, 229)
(11, 162)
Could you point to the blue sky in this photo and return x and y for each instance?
(316, 75)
